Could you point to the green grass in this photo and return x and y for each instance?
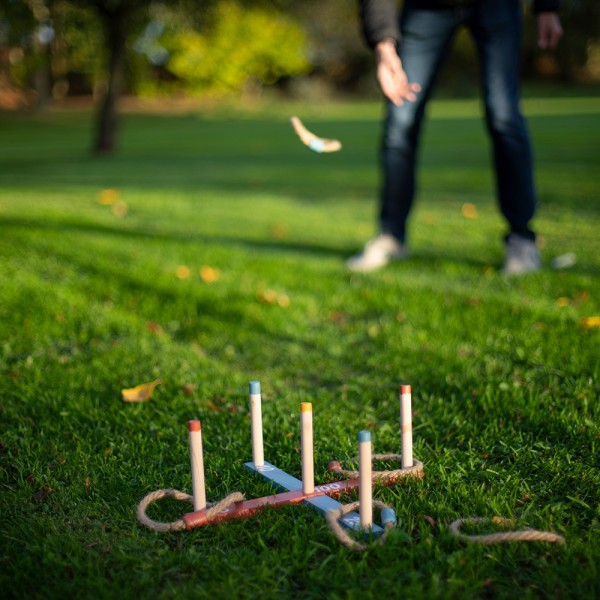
(504, 372)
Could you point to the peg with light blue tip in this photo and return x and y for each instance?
(388, 518)
(258, 457)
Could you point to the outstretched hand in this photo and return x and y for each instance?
(549, 30)
(391, 76)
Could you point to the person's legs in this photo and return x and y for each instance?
(426, 35)
(496, 27)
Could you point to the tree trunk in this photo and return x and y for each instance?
(41, 75)
(107, 126)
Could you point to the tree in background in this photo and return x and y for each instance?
(24, 56)
(202, 45)
(120, 21)
(53, 48)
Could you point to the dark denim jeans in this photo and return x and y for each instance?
(426, 36)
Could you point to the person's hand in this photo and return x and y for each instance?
(549, 30)
(391, 76)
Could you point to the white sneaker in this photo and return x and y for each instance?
(522, 256)
(377, 253)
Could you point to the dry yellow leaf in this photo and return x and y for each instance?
(590, 322)
(272, 297)
(267, 296)
(140, 393)
(283, 300)
(469, 210)
(183, 272)
(108, 197)
(208, 274)
(154, 327)
(119, 209)
(279, 231)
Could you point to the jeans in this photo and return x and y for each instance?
(426, 36)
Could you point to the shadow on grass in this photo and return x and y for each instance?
(175, 237)
(441, 260)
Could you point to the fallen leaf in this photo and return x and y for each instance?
(208, 274)
(590, 322)
(108, 197)
(337, 316)
(502, 521)
(562, 302)
(92, 545)
(154, 327)
(119, 209)
(267, 296)
(429, 519)
(469, 211)
(140, 393)
(183, 272)
(278, 231)
(188, 389)
(283, 300)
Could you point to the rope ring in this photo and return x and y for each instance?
(147, 500)
(382, 476)
(333, 516)
(522, 535)
(212, 508)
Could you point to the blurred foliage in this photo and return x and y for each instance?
(241, 47)
(78, 50)
(208, 46)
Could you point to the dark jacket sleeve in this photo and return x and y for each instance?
(379, 20)
(546, 6)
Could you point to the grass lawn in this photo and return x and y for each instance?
(93, 299)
